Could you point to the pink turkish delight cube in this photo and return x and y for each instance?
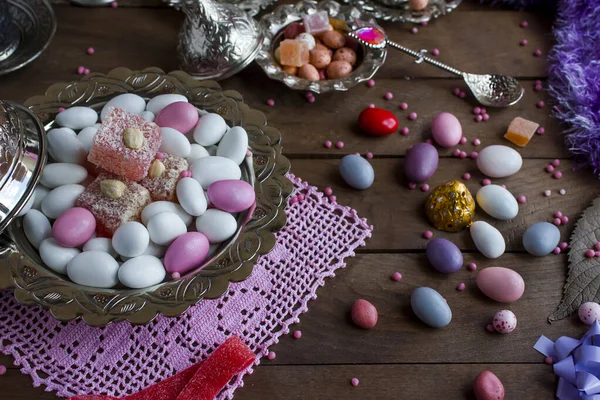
(316, 23)
(127, 158)
(163, 187)
(111, 211)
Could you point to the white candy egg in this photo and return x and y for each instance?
(141, 272)
(36, 227)
(161, 206)
(60, 200)
(152, 250)
(100, 244)
(216, 225)
(589, 312)
(156, 104)
(68, 130)
(308, 38)
(196, 152)
(86, 137)
(39, 193)
(212, 249)
(94, 268)
(210, 129)
(487, 239)
(499, 161)
(497, 202)
(174, 142)
(77, 117)
(59, 174)
(27, 206)
(55, 256)
(191, 196)
(165, 227)
(505, 321)
(132, 103)
(212, 150)
(130, 239)
(64, 147)
(148, 116)
(234, 145)
(208, 170)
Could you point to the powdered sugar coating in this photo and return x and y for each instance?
(163, 187)
(110, 153)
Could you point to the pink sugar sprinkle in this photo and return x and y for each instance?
(549, 360)
(388, 95)
(404, 131)
(423, 23)
(472, 267)
(476, 110)
(369, 155)
(463, 140)
(301, 197)
(396, 276)
(485, 117)
(2, 370)
(476, 142)
(456, 153)
(538, 88)
(461, 286)
(414, 30)
(557, 175)
(412, 185)
(483, 110)
(311, 99)
(522, 199)
(403, 106)
(597, 246)
(355, 382)
(429, 141)
(549, 168)
(91, 51)
(159, 156)
(564, 245)
(597, 254)
(478, 118)
(80, 70)
(490, 328)
(371, 105)
(556, 163)
(427, 234)
(332, 199)
(466, 176)
(557, 250)
(524, 24)
(537, 53)
(540, 104)
(339, 145)
(556, 221)
(524, 42)
(297, 334)
(456, 91)
(462, 95)
(270, 102)
(547, 193)
(486, 182)
(463, 155)
(558, 214)
(61, 109)
(328, 191)
(371, 82)
(412, 116)
(503, 186)
(424, 187)
(564, 219)
(590, 253)
(356, 153)
(271, 355)
(86, 71)
(114, 4)
(248, 153)
(293, 200)
(435, 52)
(538, 82)
(540, 130)
(327, 144)
(474, 154)
(175, 275)
(183, 174)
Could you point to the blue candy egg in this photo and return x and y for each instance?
(541, 238)
(444, 256)
(430, 307)
(356, 171)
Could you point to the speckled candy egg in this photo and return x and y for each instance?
(293, 30)
(357, 172)
(181, 116)
(487, 386)
(446, 129)
(444, 256)
(345, 54)
(333, 39)
(320, 58)
(589, 312)
(421, 162)
(505, 321)
(338, 69)
(74, 227)
(320, 46)
(417, 5)
(308, 72)
(364, 314)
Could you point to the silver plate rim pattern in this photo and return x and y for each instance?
(35, 38)
(381, 11)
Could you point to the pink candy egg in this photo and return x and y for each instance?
(589, 312)
(501, 284)
(74, 227)
(180, 115)
(231, 195)
(446, 130)
(188, 251)
(505, 321)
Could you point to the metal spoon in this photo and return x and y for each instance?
(489, 90)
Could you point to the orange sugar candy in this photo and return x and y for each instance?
(520, 131)
(293, 53)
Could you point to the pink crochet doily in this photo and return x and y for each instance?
(73, 358)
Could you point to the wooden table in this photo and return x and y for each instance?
(400, 358)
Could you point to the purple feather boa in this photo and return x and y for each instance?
(574, 78)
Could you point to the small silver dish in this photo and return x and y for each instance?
(400, 11)
(370, 60)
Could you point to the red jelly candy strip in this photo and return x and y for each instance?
(231, 357)
(168, 389)
(94, 397)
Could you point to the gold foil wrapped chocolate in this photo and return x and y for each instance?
(450, 207)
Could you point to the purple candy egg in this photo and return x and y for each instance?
(421, 162)
(444, 256)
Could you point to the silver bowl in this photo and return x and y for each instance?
(400, 11)
(274, 24)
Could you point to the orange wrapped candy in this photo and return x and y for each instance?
(520, 131)
(293, 53)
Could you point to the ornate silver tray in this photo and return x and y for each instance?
(34, 284)
(398, 10)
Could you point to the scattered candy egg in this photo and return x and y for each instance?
(430, 307)
(444, 256)
(65, 148)
(208, 170)
(497, 202)
(541, 238)
(210, 129)
(234, 145)
(216, 225)
(487, 239)
(36, 227)
(77, 117)
(505, 321)
(161, 206)
(501, 284)
(231, 195)
(487, 386)
(421, 162)
(164, 228)
(357, 171)
(132, 103)
(74, 227)
(499, 161)
(94, 268)
(589, 312)
(319, 57)
(446, 129)
(191, 196)
(86, 137)
(345, 54)
(157, 103)
(26, 207)
(364, 314)
(417, 5)
(181, 116)
(142, 271)
(174, 142)
(188, 251)
(196, 151)
(59, 174)
(39, 195)
(377, 122)
(338, 69)
(100, 244)
(130, 239)
(60, 200)
(333, 39)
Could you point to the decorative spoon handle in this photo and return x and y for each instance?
(420, 57)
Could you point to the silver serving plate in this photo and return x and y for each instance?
(35, 24)
(399, 10)
(252, 7)
(274, 24)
